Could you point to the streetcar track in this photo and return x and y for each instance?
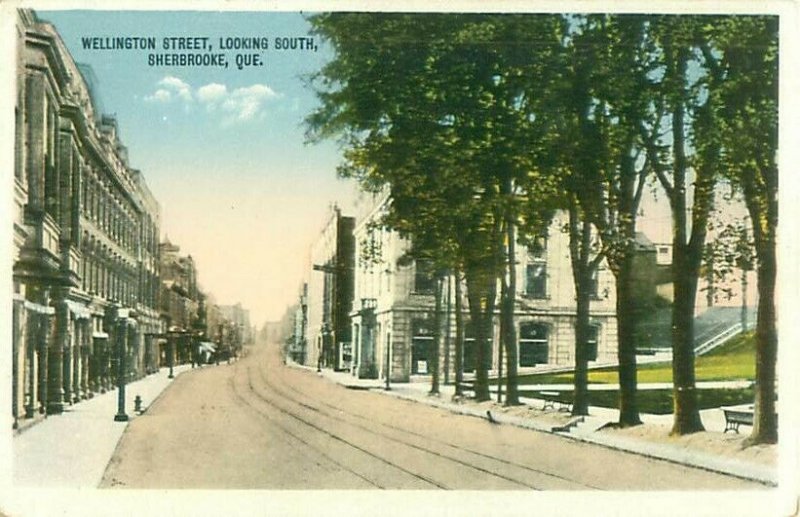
(341, 440)
(403, 442)
(275, 422)
(423, 436)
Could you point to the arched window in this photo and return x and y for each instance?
(533, 344)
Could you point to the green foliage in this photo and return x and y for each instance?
(735, 360)
(471, 122)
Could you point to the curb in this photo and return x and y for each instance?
(699, 460)
(132, 418)
(717, 465)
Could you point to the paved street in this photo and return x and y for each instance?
(259, 424)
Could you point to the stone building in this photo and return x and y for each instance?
(85, 254)
(180, 303)
(236, 331)
(330, 294)
(392, 316)
(297, 341)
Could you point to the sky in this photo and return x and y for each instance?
(222, 149)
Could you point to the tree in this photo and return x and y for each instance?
(608, 120)
(430, 106)
(686, 164)
(748, 48)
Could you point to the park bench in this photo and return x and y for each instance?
(551, 398)
(736, 416)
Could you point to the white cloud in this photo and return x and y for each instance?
(160, 95)
(212, 93)
(179, 87)
(239, 105)
(245, 104)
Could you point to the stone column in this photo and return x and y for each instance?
(77, 353)
(55, 370)
(102, 363)
(108, 362)
(85, 358)
(42, 335)
(39, 342)
(31, 345)
(68, 358)
(18, 314)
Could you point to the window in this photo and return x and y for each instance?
(533, 344)
(536, 280)
(424, 277)
(421, 346)
(536, 269)
(470, 357)
(538, 249)
(591, 342)
(593, 284)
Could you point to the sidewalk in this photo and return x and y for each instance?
(587, 429)
(72, 450)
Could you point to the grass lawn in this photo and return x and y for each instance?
(732, 361)
(659, 402)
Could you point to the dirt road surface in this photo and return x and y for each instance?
(259, 424)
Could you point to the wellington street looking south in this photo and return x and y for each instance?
(277, 262)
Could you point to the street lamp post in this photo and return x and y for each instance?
(388, 363)
(122, 337)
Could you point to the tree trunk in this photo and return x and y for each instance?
(459, 344)
(447, 330)
(765, 423)
(480, 294)
(580, 403)
(687, 255)
(626, 346)
(743, 312)
(686, 410)
(580, 248)
(512, 388)
(437, 337)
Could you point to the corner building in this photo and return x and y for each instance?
(85, 255)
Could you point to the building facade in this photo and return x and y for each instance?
(297, 341)
(330, 294)
(393, 320)
(236, 331)
(180, 305)
(85, 263)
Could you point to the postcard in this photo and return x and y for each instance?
(272, 258)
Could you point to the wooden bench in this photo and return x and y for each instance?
(736, 416)
(551, 399)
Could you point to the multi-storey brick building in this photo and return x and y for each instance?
(330, 293)
(85, 236)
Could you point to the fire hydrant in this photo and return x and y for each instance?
(137, 403)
